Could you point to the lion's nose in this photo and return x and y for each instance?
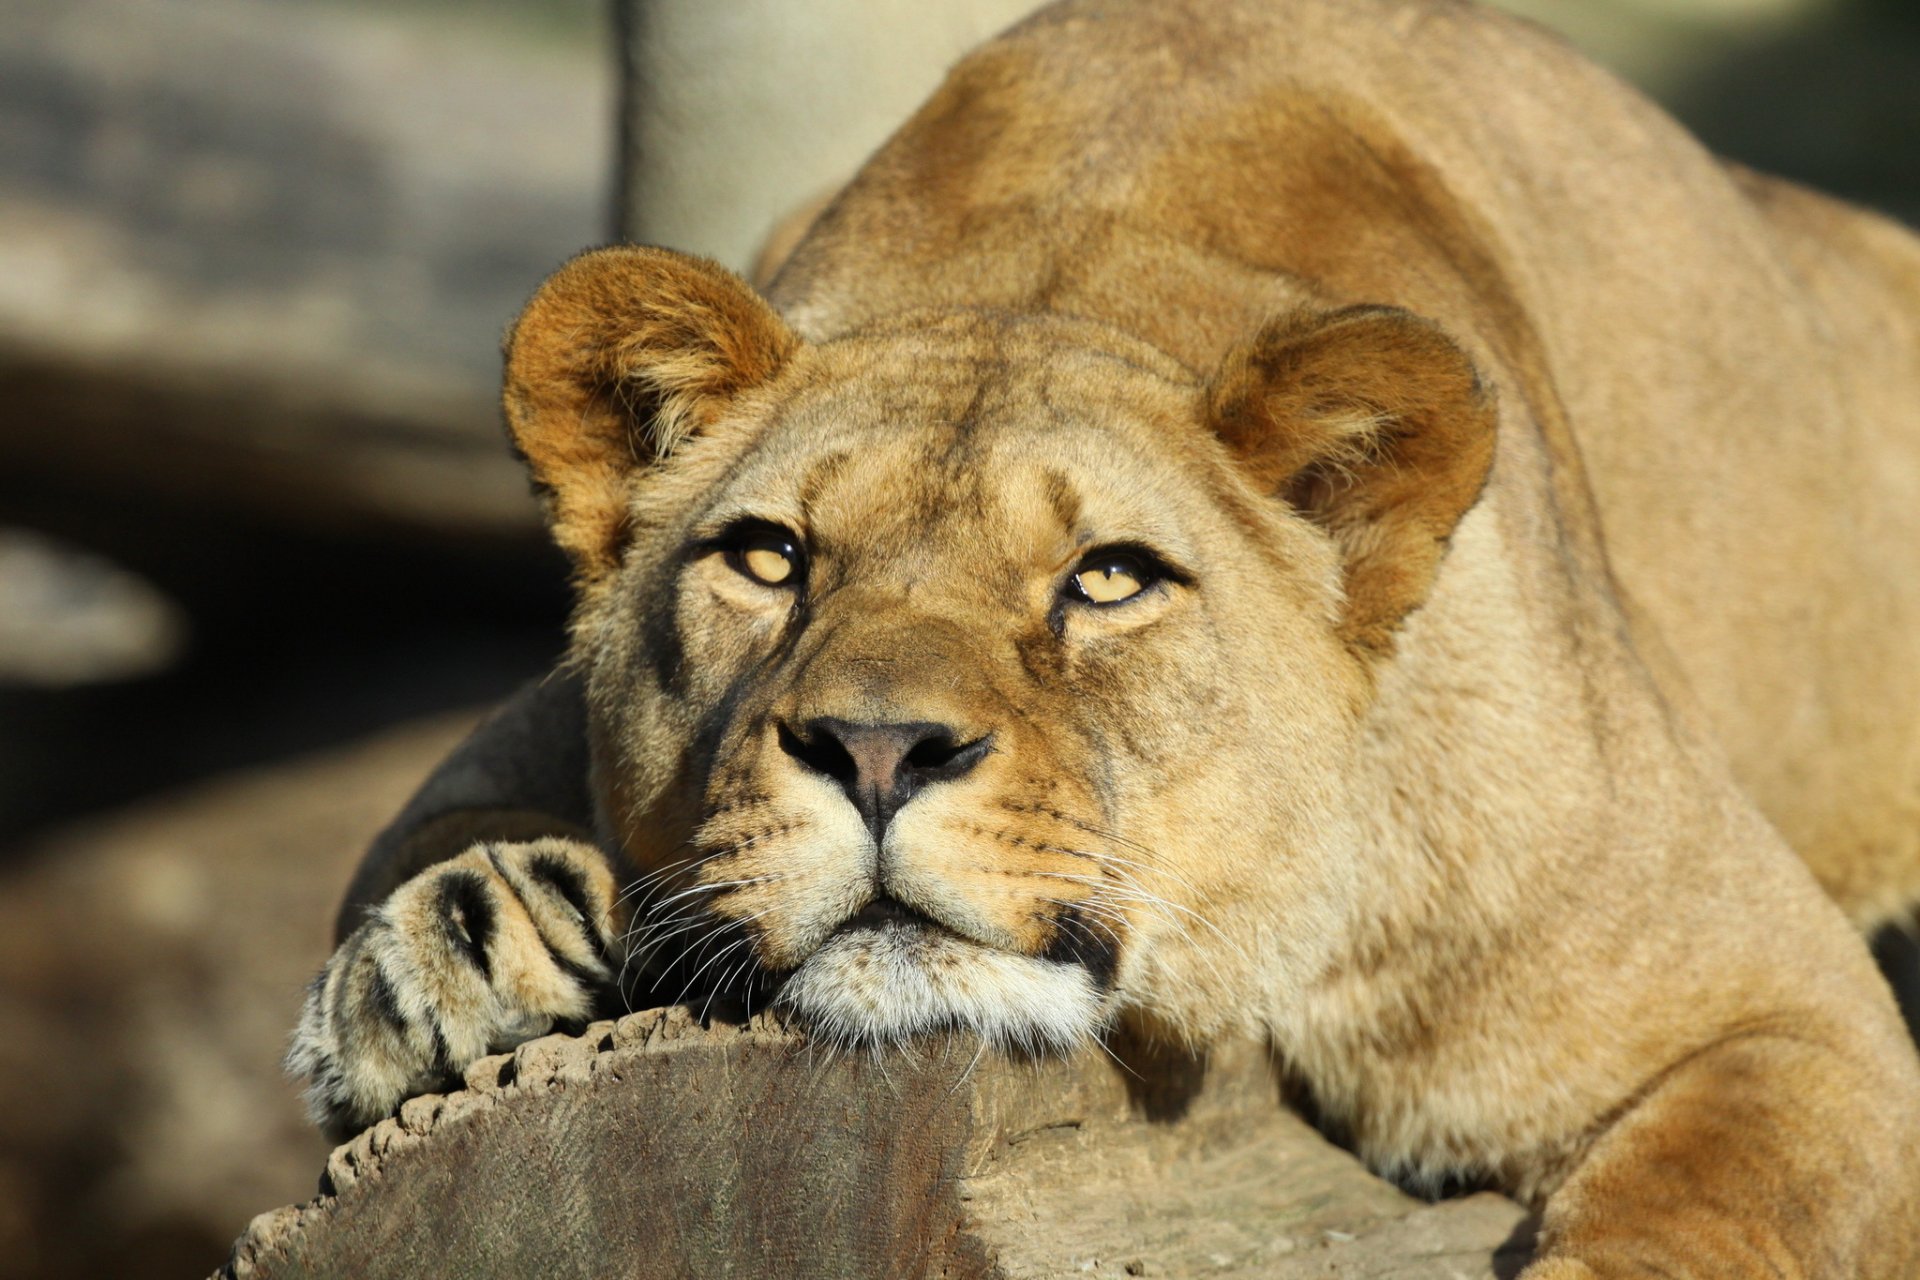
(881, 766)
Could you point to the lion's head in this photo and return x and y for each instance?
(983, 670)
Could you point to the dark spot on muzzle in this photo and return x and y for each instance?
(1087, 943)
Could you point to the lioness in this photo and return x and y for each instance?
(1324, 518)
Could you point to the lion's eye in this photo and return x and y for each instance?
(768, 556)
(1111, 578)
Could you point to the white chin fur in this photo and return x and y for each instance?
(873, 986)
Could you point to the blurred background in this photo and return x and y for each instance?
(263, 552)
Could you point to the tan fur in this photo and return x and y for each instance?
(1542, 507)
(1373, 424)
(785, 237)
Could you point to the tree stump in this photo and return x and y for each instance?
(656, 1147)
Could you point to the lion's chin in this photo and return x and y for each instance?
(876, 985)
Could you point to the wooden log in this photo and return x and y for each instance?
(656, 1147)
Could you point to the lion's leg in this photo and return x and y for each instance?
(1763, 1156)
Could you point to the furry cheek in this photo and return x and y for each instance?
(1005, 872)
(794, 881)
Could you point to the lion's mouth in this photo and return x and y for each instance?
(889, 973)
(885, 910)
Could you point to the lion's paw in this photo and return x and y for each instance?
(471, 956)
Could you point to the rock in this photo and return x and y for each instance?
(656, 1146)
(151, 966)
(68, 617)
(260, 256)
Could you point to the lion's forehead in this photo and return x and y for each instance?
(1019, 461)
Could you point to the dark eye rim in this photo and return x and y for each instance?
(743, 536)
(1154, 569)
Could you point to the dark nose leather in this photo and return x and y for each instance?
(882, 766)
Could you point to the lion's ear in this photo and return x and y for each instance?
(621, 356)
(1373, 424)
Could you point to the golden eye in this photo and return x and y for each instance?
(769, 557)
(1111, 579)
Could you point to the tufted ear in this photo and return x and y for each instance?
(621, 356)
(1372, 424)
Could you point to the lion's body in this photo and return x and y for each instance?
(1466, 797)
(1775, 549)
(1731, 365)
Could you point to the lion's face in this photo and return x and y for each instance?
(964, 667)
(960, 675)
